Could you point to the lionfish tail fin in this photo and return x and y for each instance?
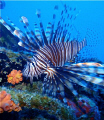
(29, 33)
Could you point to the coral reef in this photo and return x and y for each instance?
(35, 100)
(12, 55)
(6, 104)
(14, 77)
(31, 98)
(10, 60)
(8, 63)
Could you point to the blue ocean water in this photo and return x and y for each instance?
(91, 17)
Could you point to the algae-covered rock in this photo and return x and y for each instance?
(35, 100)
(7, 39)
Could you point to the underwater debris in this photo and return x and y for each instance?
(14, 77)
(6, 104)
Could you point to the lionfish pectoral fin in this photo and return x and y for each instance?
(31, 80)
(89, 72)
(83, 74)
(52, 85)
(55, 81)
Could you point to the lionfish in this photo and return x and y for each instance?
(53, 52)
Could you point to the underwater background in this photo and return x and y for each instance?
(33, 105)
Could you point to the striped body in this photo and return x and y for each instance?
(57, 54)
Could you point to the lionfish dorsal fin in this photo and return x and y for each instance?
(43, 36)
(59, 30)
(65, 25)
(51, 40)
(73, 48)
(18, 33)
(7, 26)
(48, 32)
(38, 35)
(13, 25)
(29, 33)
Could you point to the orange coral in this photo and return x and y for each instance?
(15, 77)
(6, 104)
